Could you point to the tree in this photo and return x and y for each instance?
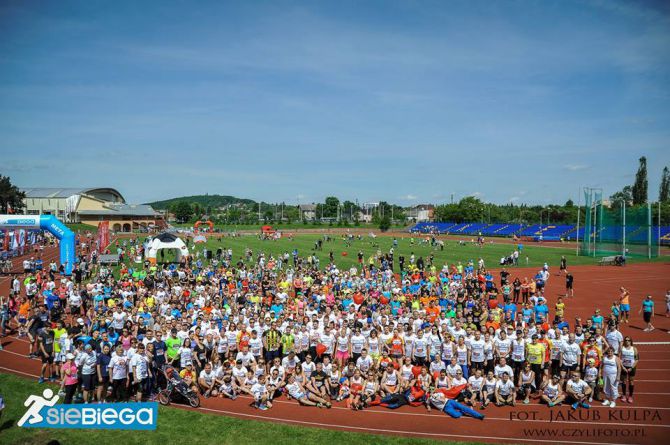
(641, 184)
(182, 211)
(664, 189)
(350, 209)
(447, 213)
(330, 207)
(569, 203)
(385, 223)
(624, 196)
(10, 195)
(471, 208)
(234, 215)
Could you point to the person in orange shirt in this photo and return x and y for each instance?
(624, 301)
(432, 311)
(24, 312)
(591, 350)
(425, 301)
(396, 347)
(491, 322)
(547, 352)
(243, 337)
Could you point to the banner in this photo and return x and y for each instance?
(103, 235)
(43, 412)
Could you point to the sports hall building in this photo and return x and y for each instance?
(91, 206)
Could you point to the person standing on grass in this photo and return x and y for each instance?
(70, 380)
(102, 367)
(118, 365)
(564, 265)
(647, 310)
(45, 348)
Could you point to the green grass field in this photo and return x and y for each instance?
(452, 253)
(175, 426)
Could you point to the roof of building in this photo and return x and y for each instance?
(424, 207)
(123, 209)
(66, 192)
(307, 207)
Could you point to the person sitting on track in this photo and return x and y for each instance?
(552, 394)
(504, 391)
(303, 396)
(578, 391)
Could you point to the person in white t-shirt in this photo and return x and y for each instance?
(578, 391)
(552, 394)
(474, 390)
(502, 368)
(139, 364)
(118, 367)
(296, 391)
(207, 381)
(259, 391)
(505, 391)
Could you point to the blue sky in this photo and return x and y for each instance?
(521, 101)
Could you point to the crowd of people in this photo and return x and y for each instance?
(454, 339)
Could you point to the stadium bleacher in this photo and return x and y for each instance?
(510, 229)
(531, 230)
(548, 232)
(492, 229)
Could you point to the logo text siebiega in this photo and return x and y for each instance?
(44, 413)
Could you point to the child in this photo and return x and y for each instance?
(616, 311)
(344, 392)
(591, 374)
(227, 388)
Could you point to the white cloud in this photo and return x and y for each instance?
(576, 167)
(514, 199)
(409, 197)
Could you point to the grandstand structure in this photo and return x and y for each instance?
(538, 232)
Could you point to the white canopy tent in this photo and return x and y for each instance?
(165, 241)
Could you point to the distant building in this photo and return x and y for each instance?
(90, 206)
(364, 217)
(421, 213)
(307, 212)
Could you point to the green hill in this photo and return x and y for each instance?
(203, 200)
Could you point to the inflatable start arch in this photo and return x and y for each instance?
(196, 226)
(51, 224)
